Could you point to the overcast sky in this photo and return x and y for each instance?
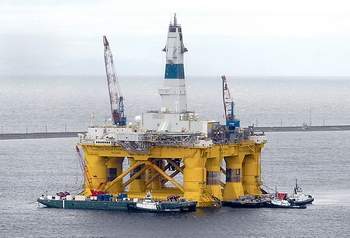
(270, 37)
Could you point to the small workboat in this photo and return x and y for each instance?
(172, 204)
(247, 202)
(280, 201)
(276, 203)
(298, 197)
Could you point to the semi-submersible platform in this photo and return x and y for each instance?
(171, 151)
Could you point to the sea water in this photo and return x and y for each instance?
(319, 160)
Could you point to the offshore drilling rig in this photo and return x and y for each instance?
(171, 151)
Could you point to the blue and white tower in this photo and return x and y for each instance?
(173, 116)
(173, 93)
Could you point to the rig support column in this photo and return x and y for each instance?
(194, 177)
(233, 188)
(213, 177)
(97, 169)
(114, 169)
(251, 174)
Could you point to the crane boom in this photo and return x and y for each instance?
(231, 121)
(115, 97)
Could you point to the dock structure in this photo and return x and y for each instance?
(38, 135)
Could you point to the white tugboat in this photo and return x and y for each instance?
(148, 204)
(298, 197)
(280, 201)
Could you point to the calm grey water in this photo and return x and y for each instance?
(320, 160)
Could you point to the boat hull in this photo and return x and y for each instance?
(87, 205)
(239, 204)
(303, 202)
(118, 206)
(292, 206)
(167, 207)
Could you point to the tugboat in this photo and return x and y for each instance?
(298, 197)
(247, 202)
(172, 204)
(280, 201)
(120, 203)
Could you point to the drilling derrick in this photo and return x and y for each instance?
(115, 97)
(173, 93)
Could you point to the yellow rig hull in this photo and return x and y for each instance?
(206, 175)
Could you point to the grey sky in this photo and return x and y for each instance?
(271, 37)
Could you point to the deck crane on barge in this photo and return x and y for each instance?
(115, 97)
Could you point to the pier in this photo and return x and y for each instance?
(303, 128)
(38, 135)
